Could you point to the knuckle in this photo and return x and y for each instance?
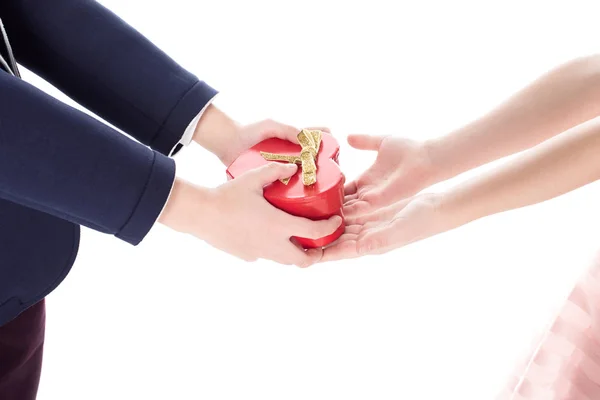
(273, 166)
(269, 169)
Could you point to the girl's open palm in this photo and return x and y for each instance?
(388, 228)
(402, 169)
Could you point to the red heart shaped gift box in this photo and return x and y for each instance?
(320, 200)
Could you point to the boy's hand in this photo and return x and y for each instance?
(236, 218)
(227, 139)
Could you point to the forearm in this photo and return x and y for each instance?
(562, 98)
(227, 139)
(60, 161)
(106, 66)
(551, 169)
(215, 129)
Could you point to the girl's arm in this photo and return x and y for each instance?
(558, 166)
(561, 99)
(555, 167)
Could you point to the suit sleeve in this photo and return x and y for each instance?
(61, 161)
(106, 66)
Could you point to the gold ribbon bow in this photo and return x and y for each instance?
(310, 140)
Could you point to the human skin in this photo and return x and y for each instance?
(553, 119)
(235, 217)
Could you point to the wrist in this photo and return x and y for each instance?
(442, 162)
(216, 131)
(183, 207)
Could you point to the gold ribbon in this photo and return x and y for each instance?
(310, 140)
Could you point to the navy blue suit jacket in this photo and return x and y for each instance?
(60, 168)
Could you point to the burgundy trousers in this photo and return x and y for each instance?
(21, 348)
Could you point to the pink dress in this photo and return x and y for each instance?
(565, 364)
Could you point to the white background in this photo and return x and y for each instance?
(443, 319)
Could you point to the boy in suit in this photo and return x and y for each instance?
(60, 168)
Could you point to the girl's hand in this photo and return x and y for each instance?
(391, 227)
(402, 168)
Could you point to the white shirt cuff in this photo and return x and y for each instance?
(186, 139)
(188, 135)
